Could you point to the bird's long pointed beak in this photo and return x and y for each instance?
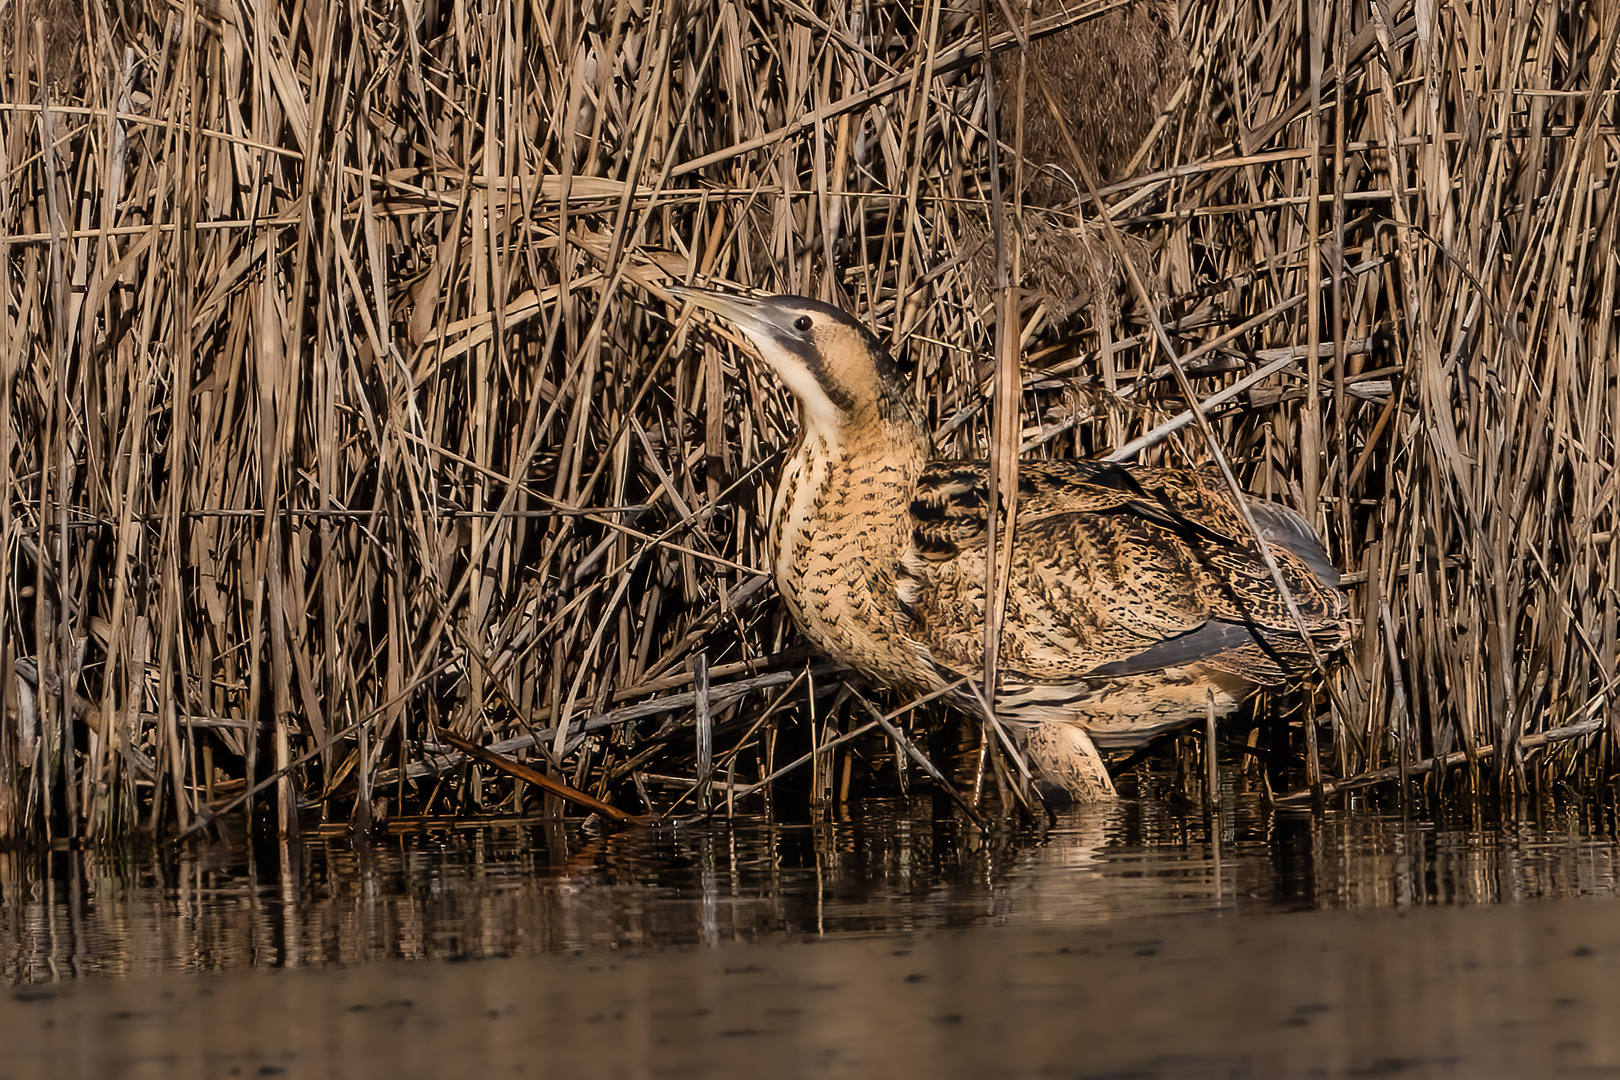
(743, 312)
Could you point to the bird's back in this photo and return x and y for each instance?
(1133, 594)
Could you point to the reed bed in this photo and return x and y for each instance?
(344, 418)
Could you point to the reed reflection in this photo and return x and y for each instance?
(892, 868)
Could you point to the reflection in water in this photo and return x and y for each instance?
(894, 867)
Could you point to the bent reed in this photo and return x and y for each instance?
(345, 421)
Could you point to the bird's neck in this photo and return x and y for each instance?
(841, 522)
(866, 469)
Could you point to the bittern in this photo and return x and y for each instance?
(1137, 597)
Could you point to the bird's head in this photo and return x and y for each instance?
(834, 365)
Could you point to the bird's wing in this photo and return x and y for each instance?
(1117, 570)
(1283, 527)
(1196, 502)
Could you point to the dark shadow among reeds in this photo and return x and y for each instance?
(342, 408)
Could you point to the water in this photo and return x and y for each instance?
(1123, 941)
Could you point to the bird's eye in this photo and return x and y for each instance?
(802, 323)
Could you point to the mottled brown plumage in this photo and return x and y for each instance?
(1135, 595)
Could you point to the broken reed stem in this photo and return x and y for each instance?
(1406, 769)
(354, 405)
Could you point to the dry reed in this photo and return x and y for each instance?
(342, 408)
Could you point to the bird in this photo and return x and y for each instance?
(1137, 598)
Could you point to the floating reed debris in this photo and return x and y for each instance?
(342, 407)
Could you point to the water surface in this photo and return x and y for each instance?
(1123, 941)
